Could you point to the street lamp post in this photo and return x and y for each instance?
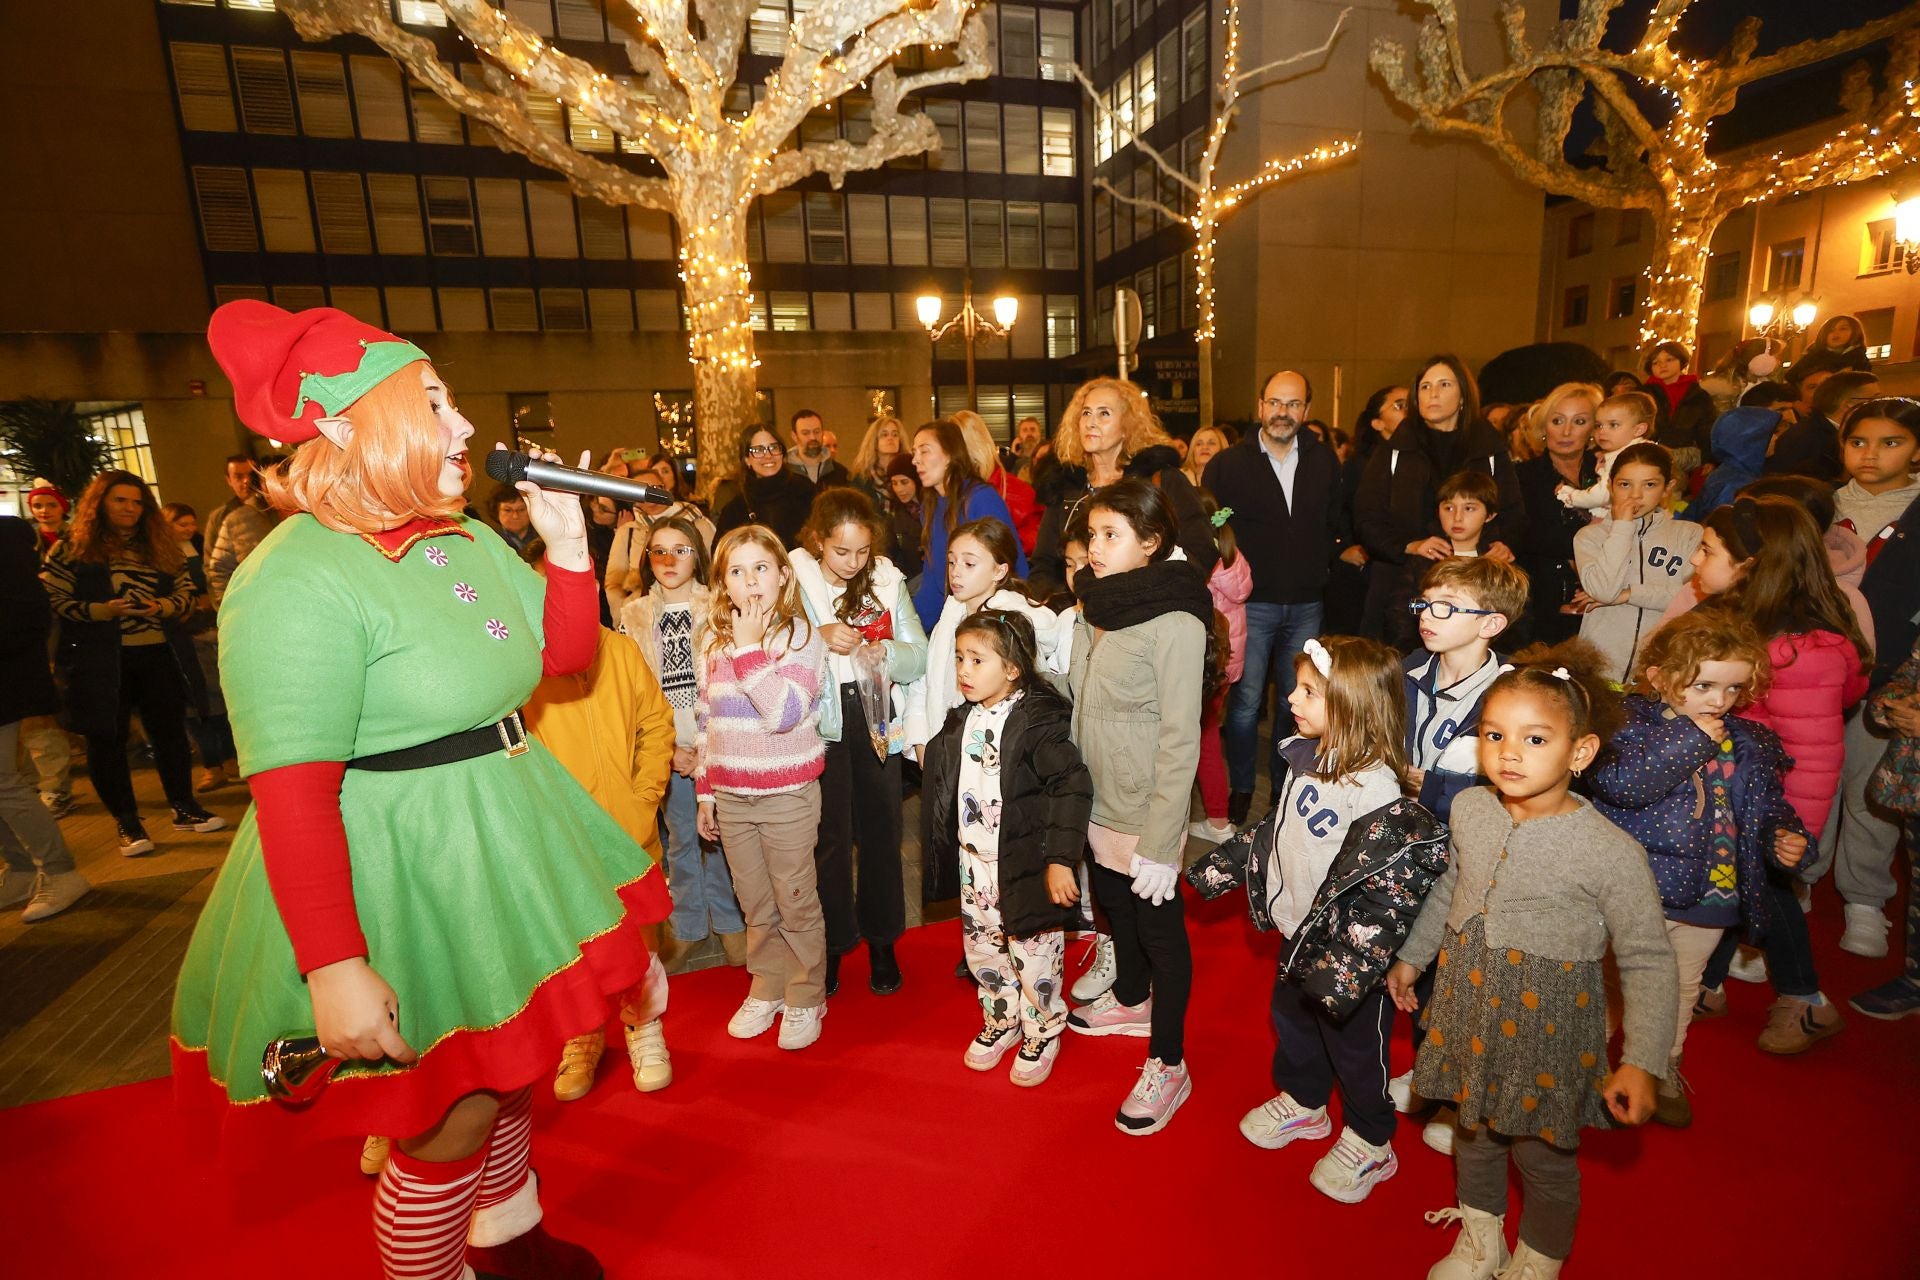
(1006, 309)
(1777, 320)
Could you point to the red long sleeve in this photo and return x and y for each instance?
(303, 843)
(571, 618)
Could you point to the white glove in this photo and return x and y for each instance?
(1157, 882)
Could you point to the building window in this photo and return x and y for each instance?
(226, 209)
(873, 311)
(1062, 237)
(1056, 44)
(1149, 309)
(410, 309)
(1100, 20)
(789, 311)
(1724, 274)
(907, 230)
(286, 222)
(266, 95)
(1879, 252)
(826, 228)
(832, 311)
(201, 87)
(450, 225)
(1166, 72)
(1580, 235)
(785, 227)
(502, 210)
(1023, 234)
(1193, 53)
(986, 233)
(1785, 262)
(983, 137)
(514, 310)
(1146, 95)
(867, 230)
(946, 122)
(320, 82)
(1019, 41)
(948, 218)
(1877, 327)
(378, 98)
(550, 215)
(1621, 296)
(1627, 229)
(124, 429)
(1022, 138)
(610, 310)
(1056, 142)
(564, 309)
(1573, 307)
(463, 310)
(340, 206)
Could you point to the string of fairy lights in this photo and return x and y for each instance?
(1689, 192)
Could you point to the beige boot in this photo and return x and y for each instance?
(1528, 1265)
(735, 945)
(373, 1155)
(647, 1051)
(1479, 1252)
(578, 1062)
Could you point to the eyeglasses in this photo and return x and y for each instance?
(1442, 610)
(1292, 406)
(669, 553)
(762, 450)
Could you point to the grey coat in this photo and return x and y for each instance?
(1136, 719)
(1567, 886)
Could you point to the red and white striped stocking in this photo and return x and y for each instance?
(508, 1204)
(421, 1213)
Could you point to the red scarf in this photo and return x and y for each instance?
(1677, 389)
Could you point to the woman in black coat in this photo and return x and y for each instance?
(1684, 413)
(769, 494)
(1546, 553)
(1395, 511)
(1347, 583)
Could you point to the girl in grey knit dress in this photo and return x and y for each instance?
(1516, 1034)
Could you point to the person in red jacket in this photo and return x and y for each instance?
(1022, 503)
(1763, 559)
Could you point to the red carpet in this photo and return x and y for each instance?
(877, 1153)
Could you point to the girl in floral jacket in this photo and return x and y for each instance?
(1340, 867)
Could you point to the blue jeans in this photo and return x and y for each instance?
(697, 874)
(1275, 633)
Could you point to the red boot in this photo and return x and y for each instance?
(534, 1255)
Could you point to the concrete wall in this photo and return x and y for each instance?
(96, 220)
(1414, 246)
(599, 386)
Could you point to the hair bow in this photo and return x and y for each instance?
(1321, 659)
(1221, 516)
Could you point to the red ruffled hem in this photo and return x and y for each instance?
(647, 899)
(516, 1053)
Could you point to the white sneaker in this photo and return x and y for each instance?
(1400, 1089)
(54, 894)
(801, 1027)
(17, 886)
(1866, 933)
(1098, 979)
(1210, 832)
(1439, 1131)
(1280, 1120)
(1353, 1168)
(753, 1017)
(647, 1051)
(1749, 965)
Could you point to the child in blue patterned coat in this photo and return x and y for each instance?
(1700, 788)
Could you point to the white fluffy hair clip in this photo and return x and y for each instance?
(1558, 673)
(1321, 659)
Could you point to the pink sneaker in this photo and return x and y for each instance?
(1154, 1099)
(1034, 1063)
(1106, 1016)
(992, 1044)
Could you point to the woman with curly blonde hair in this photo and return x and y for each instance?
(1108, 432)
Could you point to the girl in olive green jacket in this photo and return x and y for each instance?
(1137, 677)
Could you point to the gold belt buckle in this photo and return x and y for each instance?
(513, 748)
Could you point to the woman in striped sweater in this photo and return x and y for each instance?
(758, 780)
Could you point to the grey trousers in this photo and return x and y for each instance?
(1860, 840)
(29, 837)
(1549, 1179)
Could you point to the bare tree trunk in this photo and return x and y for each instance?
(1676, 280)
(719, 292)
(1204, 365)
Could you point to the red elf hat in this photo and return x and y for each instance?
(290, 369)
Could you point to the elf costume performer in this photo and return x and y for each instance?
(417, 882)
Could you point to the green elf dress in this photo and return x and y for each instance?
(492, 893)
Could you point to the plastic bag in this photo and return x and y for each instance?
(876, 700)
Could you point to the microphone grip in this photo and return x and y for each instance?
(510, 467)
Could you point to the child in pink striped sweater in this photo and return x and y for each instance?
(758, 779)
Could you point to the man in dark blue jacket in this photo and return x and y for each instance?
(1283, 487)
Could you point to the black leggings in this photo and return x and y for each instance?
(1151, 957)
(150, 683)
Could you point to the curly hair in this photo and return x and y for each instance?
(1680, 647)
(1591, 702)
(94, 539)
(1140, 426)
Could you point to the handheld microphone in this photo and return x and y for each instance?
(510, 468)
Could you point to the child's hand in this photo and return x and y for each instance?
(1902, 716)
(684, 759)
(1788, 848)
(1715, 727)
(1063, 887)
(840, 638)
(1431, 548)
(1629, 1094)
(707, 824)
(1400, 980)
(751, 623)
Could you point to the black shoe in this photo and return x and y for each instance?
(1238, 805)
(133, 838)
(194, 818)
(885, 979)
(833, 974)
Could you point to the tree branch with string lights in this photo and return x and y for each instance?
(1654, 160)
(1208, 201)
(685, 56)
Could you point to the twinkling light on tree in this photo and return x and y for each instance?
(685, 55)
(1211, 202)
(1654, 161)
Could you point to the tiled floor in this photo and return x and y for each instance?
(85, 996)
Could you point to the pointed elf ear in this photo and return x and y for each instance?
(337, 430)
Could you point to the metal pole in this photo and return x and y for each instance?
(967, 318)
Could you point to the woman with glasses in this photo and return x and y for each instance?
(768, 493)
(1395, 509)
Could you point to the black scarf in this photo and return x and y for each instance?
(1143, 594)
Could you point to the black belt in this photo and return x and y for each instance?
(507, 735)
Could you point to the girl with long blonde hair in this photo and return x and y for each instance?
(758, 777)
